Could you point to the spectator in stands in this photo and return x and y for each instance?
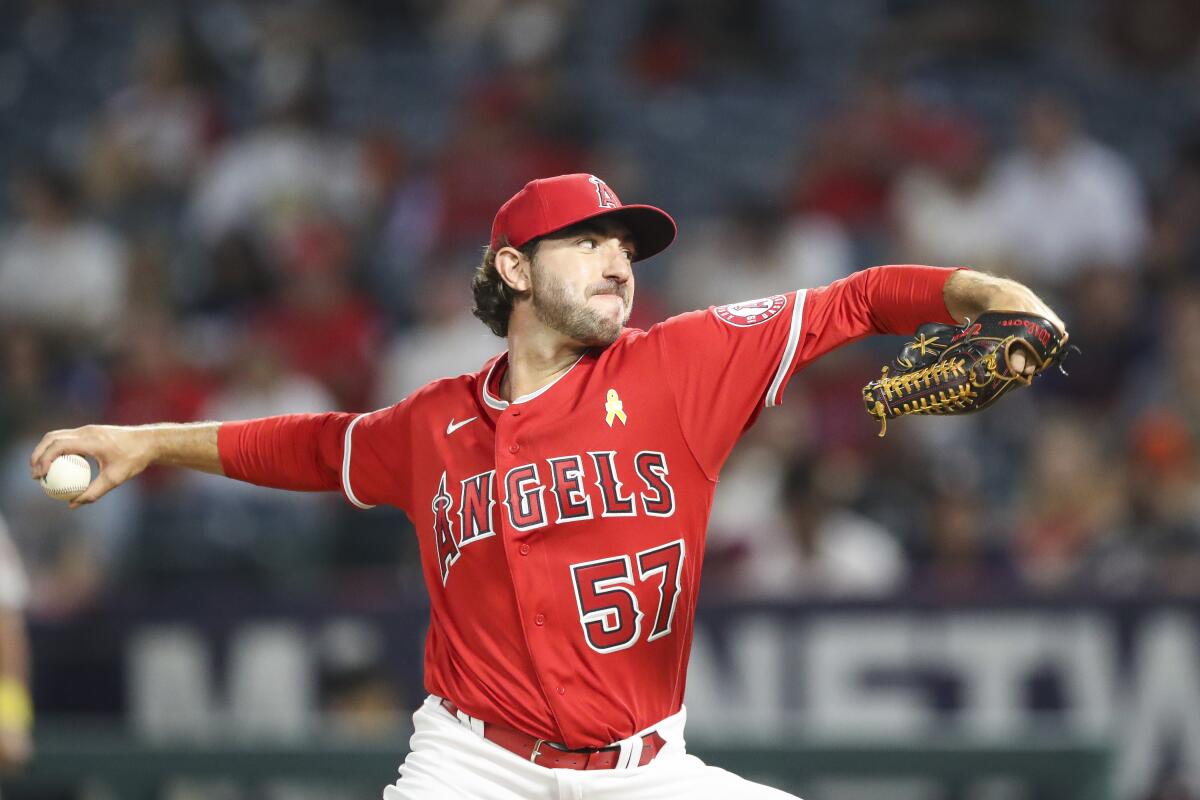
(754, 250)
(271, 179)
(521, 122)
(690, 43)
(958, 553)
(1156, 547)
(1173, 250)
(152, 380)
(446, 339)
(855, 152)
(945, 205)
(23, 368)
(260, 384)
(156, 132)
(321, 323)
(403, 209)
(818, 546)
(1073, 492)
(1168, 379)
(960, 33)
(1165, 519)
(524, 32)
(1108, 312)
(1153, 36)
(246, 530)
(1065, 200)
(59, 270)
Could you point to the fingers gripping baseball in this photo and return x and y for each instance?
(117, 451)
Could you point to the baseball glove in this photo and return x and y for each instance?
(957, 370)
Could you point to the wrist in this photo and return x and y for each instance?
(147, 446)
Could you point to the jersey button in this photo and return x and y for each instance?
(540, 619)
(562, 690)
(516, 412)
(514, 447)
(524, 549)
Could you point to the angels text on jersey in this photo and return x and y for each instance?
(555, 491)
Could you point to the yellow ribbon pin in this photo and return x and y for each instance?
(614, 407)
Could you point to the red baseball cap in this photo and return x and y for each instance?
(550, 204)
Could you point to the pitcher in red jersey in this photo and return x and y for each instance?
(561, 493)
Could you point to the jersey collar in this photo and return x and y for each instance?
(490, 385)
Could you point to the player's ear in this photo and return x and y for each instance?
(513, 268)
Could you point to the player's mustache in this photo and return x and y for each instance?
(619, 289)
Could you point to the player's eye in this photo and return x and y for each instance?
(628, 253)
(589, 242)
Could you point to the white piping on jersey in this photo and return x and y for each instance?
(789, 352)
(500, 405)
(346, 465)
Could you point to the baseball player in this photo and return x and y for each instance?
(561, 493)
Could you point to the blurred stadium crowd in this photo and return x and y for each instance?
(234, 209)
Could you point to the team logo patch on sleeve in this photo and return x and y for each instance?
(751, 312)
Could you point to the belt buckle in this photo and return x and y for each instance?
(537, 750)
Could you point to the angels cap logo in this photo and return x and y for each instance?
(751, 312)
(605, 196)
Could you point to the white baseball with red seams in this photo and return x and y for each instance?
(67, 477)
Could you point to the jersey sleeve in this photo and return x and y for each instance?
(725, 364)
(362, 455)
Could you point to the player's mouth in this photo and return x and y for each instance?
(611, 293)
(621, 301)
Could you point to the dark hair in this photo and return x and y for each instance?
(494, 298)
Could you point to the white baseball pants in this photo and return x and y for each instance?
(448, 759)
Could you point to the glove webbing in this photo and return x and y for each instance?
(954, 392)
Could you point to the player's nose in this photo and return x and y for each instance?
(617, 266)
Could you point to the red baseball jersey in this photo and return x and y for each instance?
(562, 534)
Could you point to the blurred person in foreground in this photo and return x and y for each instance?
(16, 707)
(561, 618)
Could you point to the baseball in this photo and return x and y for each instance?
(67, 477)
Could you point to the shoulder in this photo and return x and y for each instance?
(440, 394)
(450, 388)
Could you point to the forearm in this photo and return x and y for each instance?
(300, 451)
(969, 294)
(189, 445)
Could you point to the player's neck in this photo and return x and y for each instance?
(536, 359)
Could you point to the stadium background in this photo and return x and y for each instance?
(232, 209)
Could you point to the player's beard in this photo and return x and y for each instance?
(556, 309)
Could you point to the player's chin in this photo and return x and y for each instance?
(602, 334)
